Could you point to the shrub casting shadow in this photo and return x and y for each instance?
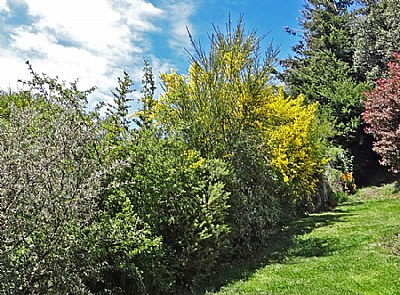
(282, 246)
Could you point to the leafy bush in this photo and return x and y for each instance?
(382, 115)
(182, 197)
(292, 143)
(227, 108)
(173, 195)
(255, 208)
(61, 230)
(48, 184)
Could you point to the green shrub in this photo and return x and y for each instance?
(182, 198)
(48, 181)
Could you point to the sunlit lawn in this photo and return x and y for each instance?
(354, 249)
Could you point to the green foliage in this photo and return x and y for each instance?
(123, 249)
(255, 208)
(67, 227)
(48, 181)
(324, 69)
(175, 198)
(377, 34)
(326, 25)
(144, 117)
(89, 205)
(212, 107)
(18, 99)
(213, 110)
(182, 197)
(338, 174)
(325, 79)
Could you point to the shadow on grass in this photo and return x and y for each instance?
(287, 243)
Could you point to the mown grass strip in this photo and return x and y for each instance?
(352, 250)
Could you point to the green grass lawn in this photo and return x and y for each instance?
(354, 249)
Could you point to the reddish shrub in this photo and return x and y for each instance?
(382, 115)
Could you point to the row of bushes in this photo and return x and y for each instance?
(90, 205)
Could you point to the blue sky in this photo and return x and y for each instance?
(96, 40)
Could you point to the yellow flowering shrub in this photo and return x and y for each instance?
(227, 97)
(289, 128)
(216, 107)
(205, 106)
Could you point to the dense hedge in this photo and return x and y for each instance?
(90, 205)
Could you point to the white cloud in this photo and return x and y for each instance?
(54, 59)
(91, 23)
(12, 68)
(4, 6)
(92, 40)
(140, 17)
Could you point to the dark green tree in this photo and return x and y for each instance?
(325, 79)
(322, 66)
(326, 26)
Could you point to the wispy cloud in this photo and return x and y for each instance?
(180, 13)
(139, 17)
